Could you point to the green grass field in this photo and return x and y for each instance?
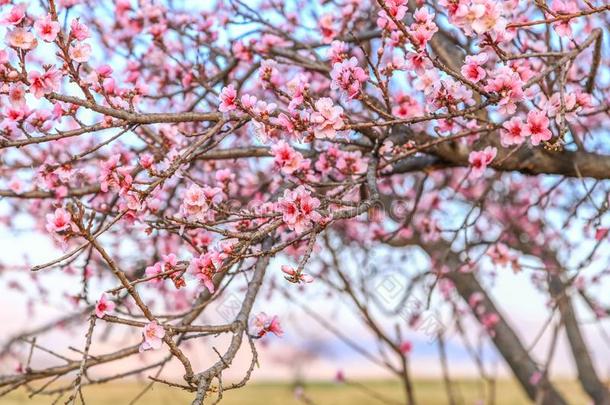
(428, 392)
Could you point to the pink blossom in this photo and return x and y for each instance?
(338, 52)
(406, 107)
(297, 88)
(405, 347)
(480, 159)
(479, 17)
(423, 28)
(147, 160)
(103, 306)
(153, 336)
(564, 7)
(508, 84)
(60, 221)
(469, 16)
(513, 132)
(198, 200)
(326, 162)
(295, 276)
(104, 70)
(69, 3)
(170, 261)
(80, 52)
(44, 83)
(326, 28)
(138, 158)
(46, 28)
(228, 97)
(429, 228)
(264, 324)
(418, 62)
(298, 209)
(248, 101)
(472, 69)
(22, 39)
(350, 162)
(327, 119)
(422, 16)
(15, 15)
(39, 120)
(538, 127)
(397, 9)
(287, 123)
(553, 105)
(268, 73)
(475, 299)
(241, 51)
(260, 128)
(109, 85)
(112, 176)
(535, 378)
(286, 158)
(15, 113)
(490, 320)
(428, 82)
(225, 176)
(15, 185)
(601, 233)
(17, 95)
(204, 267)
(78, 30)
(501, 256)
(450, 92)
(348, 77)
(154, 270)
(583, 100)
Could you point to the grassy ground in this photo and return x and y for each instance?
(428, 392)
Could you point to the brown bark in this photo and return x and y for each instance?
(504, 337)
(587, 375)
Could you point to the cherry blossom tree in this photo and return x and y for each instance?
(172, 150)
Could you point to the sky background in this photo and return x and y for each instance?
(307, 349)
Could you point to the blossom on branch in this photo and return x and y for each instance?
(21, 39)
(46, 28)
(228, 97)
(153, 336)
(295, 276)
(298, 209)
(348, 77)
(537, 127)
(264, 324)
(479, 160)
(103, 306)
(327, 119)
